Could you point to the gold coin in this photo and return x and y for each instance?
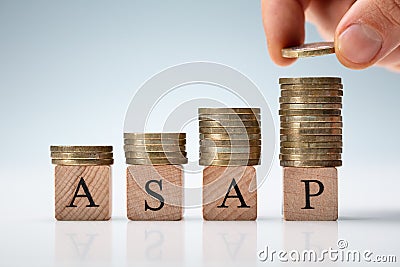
(226, 156)
(307, 92)
(133, 154)
(155, 135)
(81, 155)
(310, 80)
(302, 112)
(312, 86)
(310, 157)
(82, 162)
(234, 149)
(311, 131)
(311, 163)
(311, 138)
(81, 148)
(309, 99)
(295, 125)
(311, 106)
(309, 50)
(213, 143)
(230, 130)
(302, 151)
(311, 118)
(227, 123)
(163, 141)
(229, 110)
(300, 144)
(154, 148)
(229, 117)
(230, 136)
(222, 162)
(146, 161)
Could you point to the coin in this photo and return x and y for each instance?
(300, 144)
(134, 154)
(311, 80)
(222, 162)
(232, 156)
(311, 131)
(82, 162)
(307, 92)
(312, 86)
(230, 117)
(309, 50)
(310, 99)
(227, 123)
(155, 135)
(81, 148)
(302, 112)
(317, 124)
(229, 110)
(230, 130)
(311, 118)
(213, 143)
(218, 149)
(311, 138)
(299, 150)
(337, 156)
(311, 163)
(311, 106)
(147, 161)
(230, 136)
(154, 148)
(81, 155)
(163, 141)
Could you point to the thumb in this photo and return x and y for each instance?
(368, 32)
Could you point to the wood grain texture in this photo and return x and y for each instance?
(164, 180)
(216, 183)
(319, 205)
(98, 181)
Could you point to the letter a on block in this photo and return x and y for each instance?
(238, 195)
(87, 194)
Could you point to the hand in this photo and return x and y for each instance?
(366, 32)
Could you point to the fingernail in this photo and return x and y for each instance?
(360, 43)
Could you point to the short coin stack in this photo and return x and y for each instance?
(311, 122)
(229, 136)
(81, 155)
(155, 148)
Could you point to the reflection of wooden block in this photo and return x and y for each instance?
(310, 194)
(229, 193)
(154, 192)
(83, 193)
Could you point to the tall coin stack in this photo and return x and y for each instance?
(81, 155)
(155, 148)
(229, 136)
(311, 122)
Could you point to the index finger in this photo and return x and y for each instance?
(284, 26)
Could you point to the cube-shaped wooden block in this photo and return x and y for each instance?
(229, 193)
(154, 192)
(83, 193)
(310, 194)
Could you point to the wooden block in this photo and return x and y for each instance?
(310, 194)
(229, 193)
(83, 193)
(154, 192)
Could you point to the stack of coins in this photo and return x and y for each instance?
(311, 122)
(81, 155)
(155, 148)
(229, 136)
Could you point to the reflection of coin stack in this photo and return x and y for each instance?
(311, 146)
(230, 136)
(230, 144)
(155, 175)
(311, 122)
(82, 182)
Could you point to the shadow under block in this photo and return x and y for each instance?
(83, 193)
(154, 192)
(310, 194)
(229, 193)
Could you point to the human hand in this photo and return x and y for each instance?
(366, 32)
